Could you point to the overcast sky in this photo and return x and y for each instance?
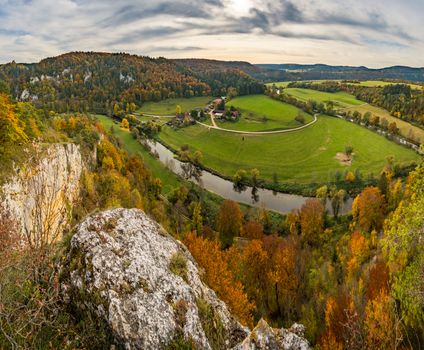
(374, 33)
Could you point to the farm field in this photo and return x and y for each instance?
(304, 156)
(406, 129)
(168, 107)
(284, 84)
(348, 102)
(158, 120)
(262, 113)
(375, 83)
(340, 99)
(369, 83)
(168, 178)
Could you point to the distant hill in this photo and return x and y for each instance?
(93, 81)
(289, 72)
(97, 82)
(227, 73)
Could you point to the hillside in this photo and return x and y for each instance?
(82, 81)
(228, 73)
(288, 72)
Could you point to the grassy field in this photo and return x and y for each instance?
(168, 107)
(369, 83)
(261, 113)
(349, 102)
(168, 178)
(340, 99)
(304, 156)
(379, 83)
(158, 120)
(406, 129)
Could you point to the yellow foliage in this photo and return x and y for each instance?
(350, 177)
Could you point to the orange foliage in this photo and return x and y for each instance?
(312, 220)
(219, 277)
(253, 230)
(379, 280)
(383, 329)
(368, 209)
(254, 262)
(229, 221)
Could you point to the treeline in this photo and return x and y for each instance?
(353, 281)
(221, 76)
(81, 82)
(399, 99)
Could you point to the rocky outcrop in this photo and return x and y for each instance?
(123, 267)
(264, 337)
(41, 195)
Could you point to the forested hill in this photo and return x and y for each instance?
(291, 72)
(82, 81)
(230, 73)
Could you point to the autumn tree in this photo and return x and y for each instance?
(136, 200)
(219, 277)
(253, 230)
(403, 246)
(229, 221)
(240, 180)
(312, 221)
(350, 177)
(284, 280)
(11, 131)
(369, 209)
(378, 280)
(196, 217)
(254, 267)
(383, 326)
(125, 124)
(338, 197)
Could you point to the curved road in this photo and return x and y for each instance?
(216, 127)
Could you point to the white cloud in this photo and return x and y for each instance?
(386, 32)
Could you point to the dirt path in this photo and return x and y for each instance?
(216, 127)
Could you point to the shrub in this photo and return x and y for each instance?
(178, 265)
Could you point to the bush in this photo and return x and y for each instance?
(178, 265)
(300, 119)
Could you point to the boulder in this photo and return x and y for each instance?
(145, 284)
(263, 337)
(123, 267)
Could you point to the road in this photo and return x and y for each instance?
(216, 127)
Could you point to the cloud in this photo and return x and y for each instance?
(351, 32)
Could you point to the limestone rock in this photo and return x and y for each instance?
(264, 337)
(144, 284)
(42, 193)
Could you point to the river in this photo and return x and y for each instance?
(276, 201)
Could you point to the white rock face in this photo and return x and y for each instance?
(121, 262)
(125, 258)
(264, 337)
(25, 95)
(41, 195)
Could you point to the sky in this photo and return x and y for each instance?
(373, 33)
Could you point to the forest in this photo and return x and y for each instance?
(354, 281)
(399, 99)
(95, 82)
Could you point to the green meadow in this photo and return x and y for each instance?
(302, 156)
(168, 107)
(262, 113)
(340, 99)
